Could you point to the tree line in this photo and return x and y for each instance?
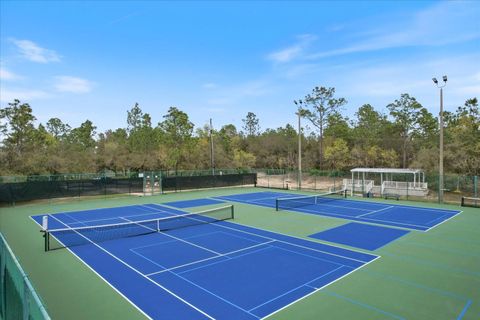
(405, 136)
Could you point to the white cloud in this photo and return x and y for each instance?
(286, 54)
(381, 83)
(31, 51)
(292, 52)
(442, 24)
(24, 95)
(8, 75)
(73, 84)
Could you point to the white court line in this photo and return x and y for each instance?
(385, 222)
(335, 215)
(398, 205)
(389, 207)
(221, 261)
(196, 236)
(199, 286)
(210, 258)
(294, 244)
(343, 207)
(176, 238)
(170, 241)
(296, 288)
(291, 236)
(246, 232)
(426, 209)
(117, 217)
(436, 219)
(213, 294)
(155, 211)
(307, 295)
(408, 226)
(310, 256)
(256, 235)
(443, 221)
(261, 199)
(150, 206)
(132, 268)
(100, 276)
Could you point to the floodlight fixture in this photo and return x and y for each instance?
(440, 165)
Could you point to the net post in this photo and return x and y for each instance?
(463, 202)
(45, 232)
(276, 204)
(46, 240)
(233, 211)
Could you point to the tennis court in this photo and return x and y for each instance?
(200, 265)
(334, 205)
(419, 275)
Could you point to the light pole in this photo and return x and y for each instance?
(212, 153)
(440, 169)
(300, 104)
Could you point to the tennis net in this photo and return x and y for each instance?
(74, 236)
(303, 201)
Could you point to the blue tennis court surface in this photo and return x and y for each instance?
(410, 217)
(193, 203)
(220, 270)
(359, 235)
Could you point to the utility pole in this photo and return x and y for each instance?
(299, 152)
(440, 165)
(212, 154)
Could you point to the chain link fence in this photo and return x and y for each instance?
(18, 299)
(156, 182)
(14, 189)
(313, 180)
(400, 186)
(397, 186)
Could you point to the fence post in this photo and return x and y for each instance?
(408, 185)
(160, 181)
(104, 176)
(3, 263)
(475, 186)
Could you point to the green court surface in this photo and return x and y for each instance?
(423, 275)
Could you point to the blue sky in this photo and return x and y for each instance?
(220, 60)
